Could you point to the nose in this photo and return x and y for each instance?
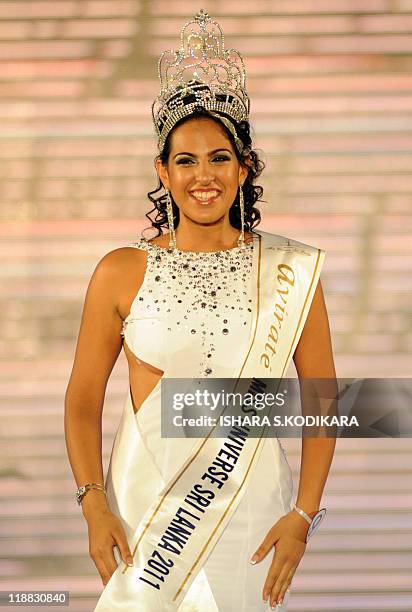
(204, 173)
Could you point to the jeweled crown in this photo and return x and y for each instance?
(201, 73)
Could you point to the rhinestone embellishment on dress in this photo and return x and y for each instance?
(200, 293)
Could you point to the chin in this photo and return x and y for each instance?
(207, 218)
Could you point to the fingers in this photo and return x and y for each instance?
(280, 575)
(274, 572)
(105, 561)
(265, 547)
(110, 560)
(123, 546)
(283, 583)
(102, 568)
(103, 537)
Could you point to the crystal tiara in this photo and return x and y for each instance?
(201, 73)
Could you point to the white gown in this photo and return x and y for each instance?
(192, 317)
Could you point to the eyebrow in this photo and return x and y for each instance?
(193, 155)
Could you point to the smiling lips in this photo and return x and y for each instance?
(205, 197)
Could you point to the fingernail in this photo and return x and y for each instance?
(129, 561)
(254, 559)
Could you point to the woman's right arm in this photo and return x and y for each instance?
(98, 347)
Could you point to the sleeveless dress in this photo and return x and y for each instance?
(192, 317)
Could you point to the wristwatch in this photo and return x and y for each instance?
(81, 491)
(313, 522)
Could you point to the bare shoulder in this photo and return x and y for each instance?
(118, 260)
(120, 273)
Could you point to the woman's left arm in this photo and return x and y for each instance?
(313, 358)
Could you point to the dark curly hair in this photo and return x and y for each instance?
(252, 193)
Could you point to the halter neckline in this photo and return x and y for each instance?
(171, 250)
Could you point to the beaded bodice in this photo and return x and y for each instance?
(193, 311)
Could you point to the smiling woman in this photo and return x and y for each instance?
(180, 168)
(204, 183)
(188, 523)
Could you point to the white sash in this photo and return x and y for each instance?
(185, 517)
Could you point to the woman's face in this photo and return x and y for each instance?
(203, 172)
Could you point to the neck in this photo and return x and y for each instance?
(206, 238)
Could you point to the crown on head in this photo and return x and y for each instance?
(201, 73)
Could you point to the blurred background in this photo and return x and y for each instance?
(331, 110)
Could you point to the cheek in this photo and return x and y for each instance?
(181, 179)
(232, 180)
(232, 175)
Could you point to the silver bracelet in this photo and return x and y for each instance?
(81, 491)
(303, 513)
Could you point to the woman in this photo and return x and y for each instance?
(195, 520)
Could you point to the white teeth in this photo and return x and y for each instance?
(199, 195)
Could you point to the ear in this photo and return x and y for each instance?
(163, 173)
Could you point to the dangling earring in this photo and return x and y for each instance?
(169, 207)
(241, 239)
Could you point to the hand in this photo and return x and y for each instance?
(106, 531)
(289, 535)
